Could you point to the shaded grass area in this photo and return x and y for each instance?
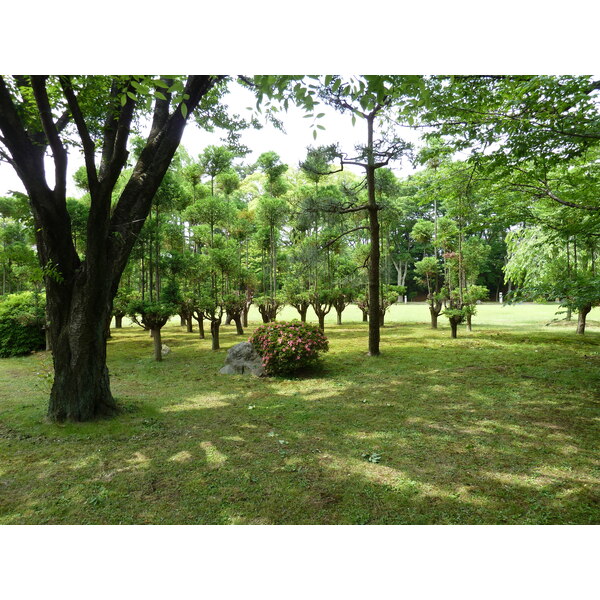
(498, 426)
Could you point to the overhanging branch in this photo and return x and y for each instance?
(339, 237)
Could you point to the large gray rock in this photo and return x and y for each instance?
(243, 359)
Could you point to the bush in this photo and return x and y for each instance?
(21, 324)
(288, 346)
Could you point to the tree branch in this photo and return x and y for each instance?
(113, 164)
(161, 112)
(26, 157)
(571, 204)
(134, 203)
(331, 242)
(59, 153)
(89, 149)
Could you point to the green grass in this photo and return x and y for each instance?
(499, 426)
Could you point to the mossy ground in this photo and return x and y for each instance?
(499, 426)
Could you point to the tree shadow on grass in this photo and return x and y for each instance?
(296, 456)
(461, 439)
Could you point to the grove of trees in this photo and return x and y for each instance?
(504, 199)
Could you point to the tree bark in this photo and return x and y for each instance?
(81, 388)
(189, 325)
(200, 318)
(245, 316)
(302, 310)
(374, 257)
(453, 327)
(118, 321)
(339, 315)
(321, 322)
(237, 319)
(157, 344)
(215, 324)
(583, 313)
(469, 326)
(434, 318)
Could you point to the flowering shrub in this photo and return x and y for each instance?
(287, 346)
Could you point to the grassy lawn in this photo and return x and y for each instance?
(499, 426)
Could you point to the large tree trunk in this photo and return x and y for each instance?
(47, 329)
(118, 321)
(189, 325)
(365, 316)
(81, 388)
(469, 326)
(583, 313)
(245, 316)
(80, 292)
(339, 315)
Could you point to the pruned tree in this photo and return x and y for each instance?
(368, 105)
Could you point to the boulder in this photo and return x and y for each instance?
(165, 350)
(243, 359)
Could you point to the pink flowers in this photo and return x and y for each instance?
(287, 346)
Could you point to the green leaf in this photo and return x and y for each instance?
(160, 95)
(184, 110)
(131, 95)
(176, 87)
(314, 134)
(320, 115)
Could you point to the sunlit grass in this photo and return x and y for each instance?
(498, 426)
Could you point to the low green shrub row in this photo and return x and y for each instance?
(21, 324)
